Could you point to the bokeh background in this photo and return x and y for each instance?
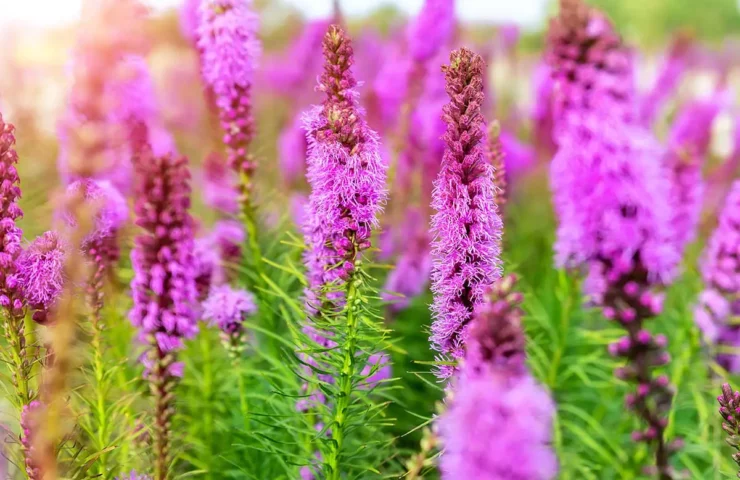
(568, 347)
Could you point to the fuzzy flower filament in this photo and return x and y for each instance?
(466, 226)
(227, 40)
(498, 424)
(12, 298)
(40, 271)
(163, 287)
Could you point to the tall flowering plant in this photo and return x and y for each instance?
(612, 197)
(466, 226)
(720, 270)
(347, 179)
(163, 287)
(229, 48)
(498, 421)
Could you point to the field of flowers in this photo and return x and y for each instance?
(236, 244)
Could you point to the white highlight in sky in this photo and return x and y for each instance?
(51, 13)
(528, 13)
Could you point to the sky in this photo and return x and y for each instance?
(47, 13)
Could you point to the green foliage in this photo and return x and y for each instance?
(651, 23)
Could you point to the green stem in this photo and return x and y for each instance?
(15, 333)
(208, 394)
(248, 219)
(342, 402)
(100, 397)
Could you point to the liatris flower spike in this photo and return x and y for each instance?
(498, 424)
(29, 431)
(720, 271)
(611, 196)
(729, 408)
(227, 40)
(431, 29)
(228, 308)
(345, 171)
(12, 298)
(163, 287)
(40, 271)
(347, 178)
(466, 226)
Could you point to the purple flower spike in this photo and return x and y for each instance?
(669, 77)
(688, 143)
(220, 185)
(289, 73)
(345, 171)
(293, 147)
(612, 200)
(227, 40)
(431, 30)
(498, 424)
(106, 199)
(29, 427)
(729, 408)
(410, 277)
(720, 270)
(189, 20)
(11, 297)
(163, 286)
(466, 226)
(40, 270)
(228, 309)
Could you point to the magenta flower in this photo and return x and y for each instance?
(110, 206)
(431, 29)
(410, 276)
(542, 108)
(94, 137)
(720, 270)
(11, 296)
(610, 193)
(40, 271)
(227, 40)
(227, 308)
(299, 65)
(189, 20)
(612, 200)
(345, 171)
(207, 266)
(220, 190)
(670, 74)
(729, 408)
(688, 142)
(292, 151)
(163, 287)
(466, 226)
(498, 422)
(29, 430)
